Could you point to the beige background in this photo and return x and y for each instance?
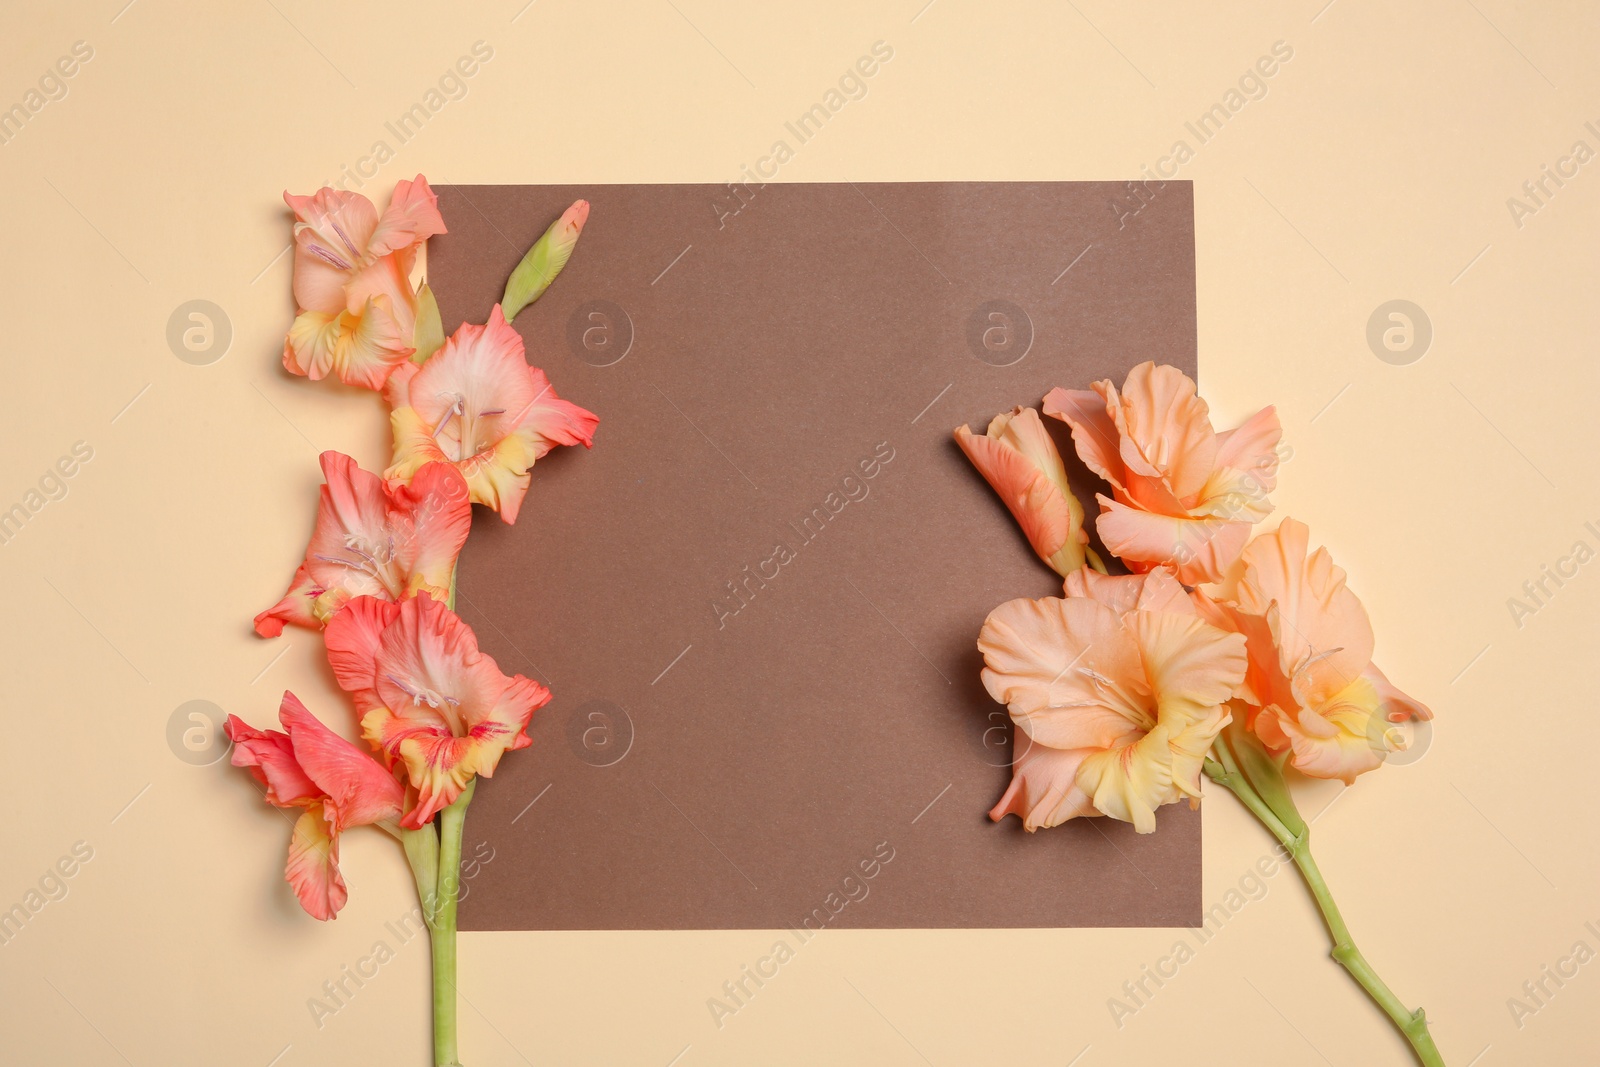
(1377, 166)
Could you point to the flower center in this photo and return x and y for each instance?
(447, 706)
(468, 429)
(376, 561)
(1114, 695)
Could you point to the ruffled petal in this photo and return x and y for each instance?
(353, 639)
(1193, 667)
(1067, 670)
(297, 607)
(1044, 788)
(433, 516)
(1189, 749)
(361, 349)
(414, 444)
(357, 790)
(1342, 739)
(1320, 629)
(411, 217)
(1247, 469)
(269, 757)
(331, 232)
(1165, 428)
(1199, 550)
(1394, 705)
(1094, 432)
(313, 867)
(1129, 782)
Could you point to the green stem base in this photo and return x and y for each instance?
(435, 857)
(1225, 771)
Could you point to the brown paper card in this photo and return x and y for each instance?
(756, 599)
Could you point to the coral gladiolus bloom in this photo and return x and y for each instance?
(375, 540)
(352, 281)
(337, 784)
(1185, 496)
(1018, 459)
(429, 699)
(1117, 691)
(1312, 686)
(476, 403)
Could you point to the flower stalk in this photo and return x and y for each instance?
(441, 916)
(1239, 765)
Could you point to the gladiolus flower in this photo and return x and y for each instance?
(375, 540)
(1185, 496)
(352, 281)
(1312, 687)
(430, 701)
(476, 403)
(1018, 459)
(1117, 691)
(337, 784)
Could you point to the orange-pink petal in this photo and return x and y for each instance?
(313, 867)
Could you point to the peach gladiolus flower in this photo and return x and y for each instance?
(430, 701)
(476, 403)
(337, 784)
(375, 540)
(1117, 691)
(352, 281)
(1185, 496)
(1018, 459)
(1312, 687)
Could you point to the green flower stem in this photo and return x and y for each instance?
(422, 852)
(443, 933)
(1414, 1024)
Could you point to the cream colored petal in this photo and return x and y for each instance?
(1131, 781)
(1067, 670)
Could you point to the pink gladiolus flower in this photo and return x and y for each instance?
(1185, 496)
(375, 540)
(1018, 459)
(476, 403)
(337, 784)
(1312, 687)
(1116, 690)
(352, 281)
(430, 701)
